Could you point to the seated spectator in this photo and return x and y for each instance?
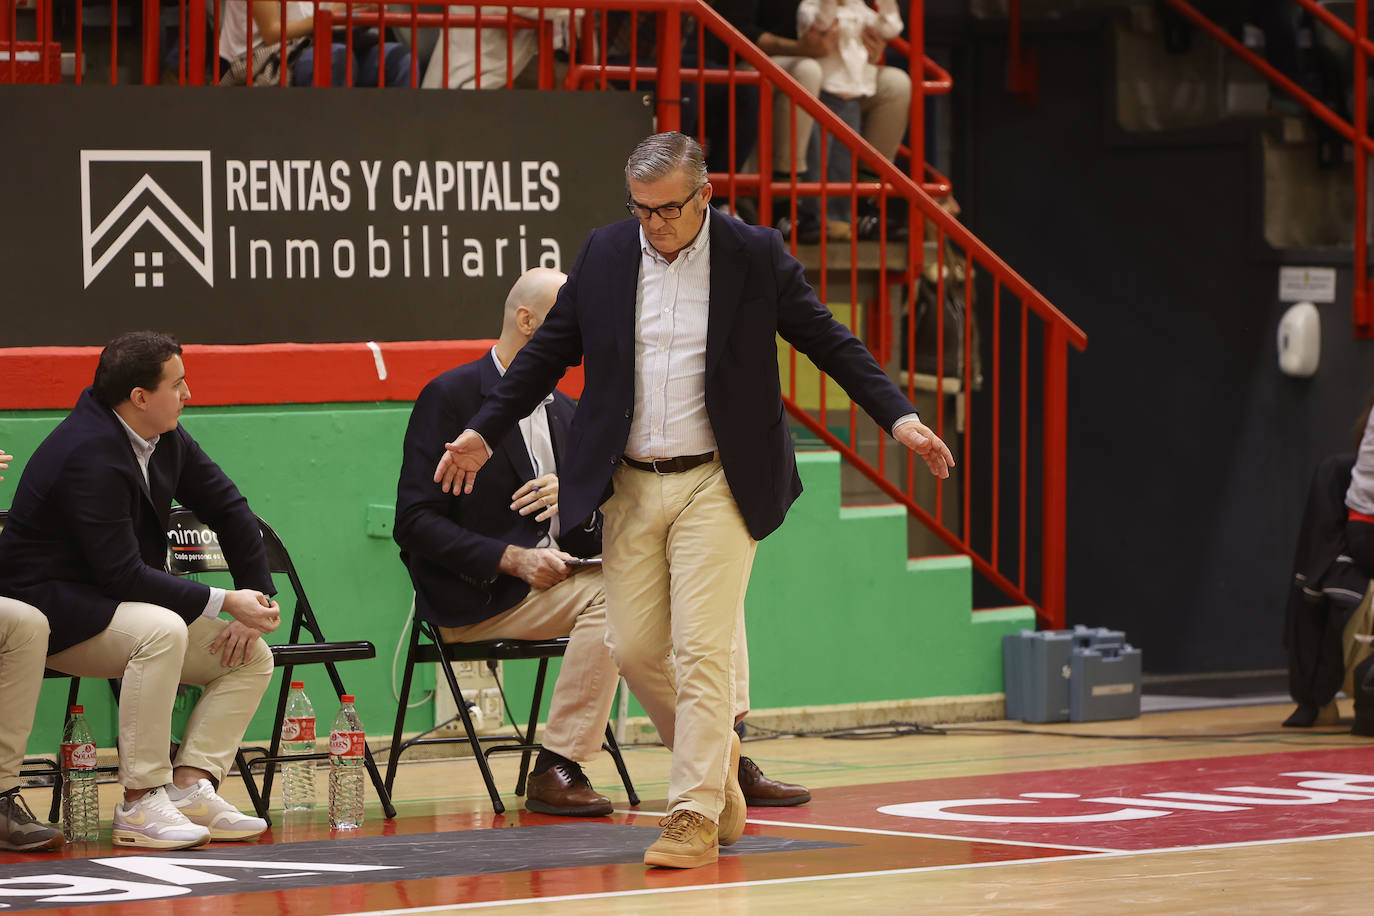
(463, 60)
(1331, 571)
(85, 544)
(873, 99)
(267, 33)
(23, 647)
(772, 25)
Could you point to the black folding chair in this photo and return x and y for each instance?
(489, 651)
(194, 548)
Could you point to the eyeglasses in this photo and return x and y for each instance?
(667, 211)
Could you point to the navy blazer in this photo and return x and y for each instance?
(86, 531)
(452, 543)
(758, 291)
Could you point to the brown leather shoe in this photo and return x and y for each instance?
(733, 814)
(768, 793)
(563, 790)
(688, 840)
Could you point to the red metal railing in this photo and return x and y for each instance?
(1019, 404)
(1357, 134)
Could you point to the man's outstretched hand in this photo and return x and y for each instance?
(918, 437)
(463, 458)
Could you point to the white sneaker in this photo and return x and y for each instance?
(155, 823)
(202, 805)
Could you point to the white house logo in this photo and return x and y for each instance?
(145, 203)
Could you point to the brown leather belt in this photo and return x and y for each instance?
(669, 465)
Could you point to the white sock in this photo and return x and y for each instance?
(176, 794)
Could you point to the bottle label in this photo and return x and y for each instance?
(78, 756)
(346, 744)
(300, 728)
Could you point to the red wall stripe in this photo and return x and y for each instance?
(33, 378)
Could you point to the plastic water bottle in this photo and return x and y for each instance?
(298, 737)
(346, 748)
(81, 798)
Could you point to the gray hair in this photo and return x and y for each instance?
(661, 155)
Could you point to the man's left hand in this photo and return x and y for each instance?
(916, 436)
(236, 640)
(537, 495)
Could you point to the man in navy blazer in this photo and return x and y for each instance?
(680, 435)
(86, 545)
(493, 563)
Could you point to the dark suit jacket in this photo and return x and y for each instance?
(757, 292)
(452, 543)
(86, 532)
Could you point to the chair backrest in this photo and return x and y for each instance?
(193, 547)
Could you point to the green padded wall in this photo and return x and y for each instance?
(837, 613)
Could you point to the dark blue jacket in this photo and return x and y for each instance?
(85, 531)
(451, 543)
(758, 291)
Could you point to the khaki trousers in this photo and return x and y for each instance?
(582, 696)
(807, 71)
(154, 650)
(677, 560)
(23, 653)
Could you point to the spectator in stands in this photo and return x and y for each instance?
(23, 647)
(267, 32)
(85, 545)
(523, 44)
(680, 433)
(772, 25)
(871, 98)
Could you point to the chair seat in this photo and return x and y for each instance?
(317, 653)
(494, 648)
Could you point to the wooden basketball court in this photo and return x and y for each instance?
(1214, 810)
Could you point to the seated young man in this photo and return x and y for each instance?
(86, 544)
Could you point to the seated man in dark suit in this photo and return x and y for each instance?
(493, 564)
(86, 545)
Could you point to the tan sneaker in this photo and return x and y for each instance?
(688, 841)
(732, 815)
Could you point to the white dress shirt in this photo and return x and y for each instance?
(143, 452)
(672, 304)
(534, 429)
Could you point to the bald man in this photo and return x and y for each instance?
(494, 563)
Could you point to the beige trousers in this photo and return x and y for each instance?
(677, 558)
(153, 650)
(582, 696)
(23, 653)
(807, 71)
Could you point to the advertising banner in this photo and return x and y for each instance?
(303, 215)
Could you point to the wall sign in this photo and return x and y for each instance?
(316, 215)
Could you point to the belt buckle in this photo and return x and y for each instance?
(653, 463)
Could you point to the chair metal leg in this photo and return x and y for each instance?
(393, 757)
(534, 724)
(383, 795)
(259, 801)
(614, 749)
(463, 713)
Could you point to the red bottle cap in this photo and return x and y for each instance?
(346, 698)
(77, 710)
(298, 685)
